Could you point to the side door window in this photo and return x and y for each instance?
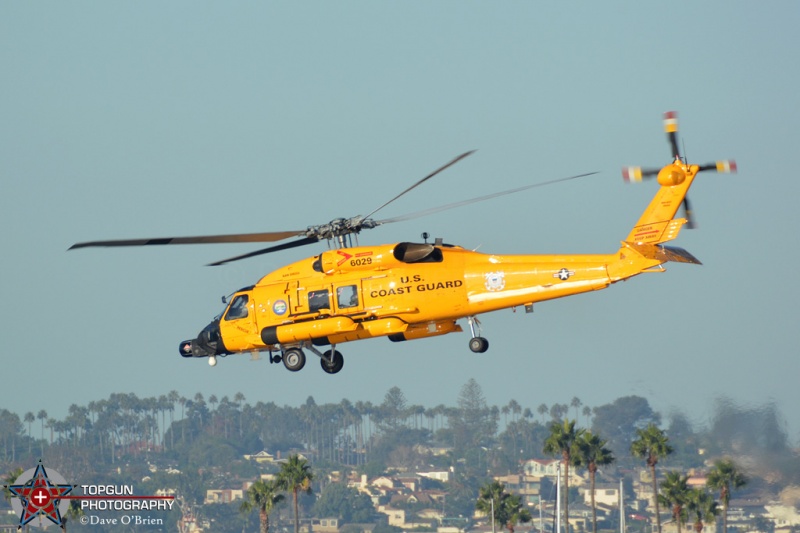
(319, 299)
(347, 297)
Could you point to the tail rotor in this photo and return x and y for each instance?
(638, 174)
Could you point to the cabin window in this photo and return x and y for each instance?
(238, 308)
(347, 296)
(318, 300)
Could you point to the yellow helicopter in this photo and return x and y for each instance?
(412, 290)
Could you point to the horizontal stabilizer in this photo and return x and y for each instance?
(665, 253)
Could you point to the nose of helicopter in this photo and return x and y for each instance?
(207, 344)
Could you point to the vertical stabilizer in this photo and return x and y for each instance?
(658, 223)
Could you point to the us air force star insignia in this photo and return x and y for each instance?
(495, 281)
(563, 274)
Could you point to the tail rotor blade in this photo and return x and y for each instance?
(671, 128)
(687, 208)
(725, 166)
(636, 174)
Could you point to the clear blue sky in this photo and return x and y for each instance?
(139, 119)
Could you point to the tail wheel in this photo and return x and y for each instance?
(478, 344)
(294, 359)
(332, 363)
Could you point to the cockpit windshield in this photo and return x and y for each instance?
(238, 308)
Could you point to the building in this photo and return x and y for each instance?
(605, 494)
(528, 488)
(223, 495)
(261, 457)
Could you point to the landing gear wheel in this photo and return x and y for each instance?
(478, 344)
(294, 359)
(336, 365)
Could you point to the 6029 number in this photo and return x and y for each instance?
(361, 261)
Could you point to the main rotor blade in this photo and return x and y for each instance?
(420, 182)
(276, 248)
(201, 239)
(478, 199)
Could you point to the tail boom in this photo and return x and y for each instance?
(636, 258)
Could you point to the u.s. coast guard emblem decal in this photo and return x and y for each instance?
(495, 281)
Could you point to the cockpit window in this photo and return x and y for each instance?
(238, 308)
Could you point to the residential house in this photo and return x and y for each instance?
(784, 516)
(541, 467)
(605, 494)
(526, 486)
(443, 475)
(223, 495)
(261, 457)
(549, 468)
(325, 525)
(397, 517)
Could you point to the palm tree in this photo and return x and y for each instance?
(650, 444)
(295, 476)
(29, 418)
(11, 477)
(264, 496)
(587, 412)
(543, 410)
(575, 403)
(563, 441)
(702, 505)
(674, 494)
(489, 496)
(593, 453)
(515, 408)
(515, 512)
(42, 416)
(725, 476)
(74, 512)
(508, 509)
(239, 399)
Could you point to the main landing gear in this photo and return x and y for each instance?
(332, 361)
(477, 343)
(294, 359)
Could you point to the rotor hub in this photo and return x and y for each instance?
(671, 175)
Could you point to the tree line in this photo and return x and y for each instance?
(579, 447)
(205, 437)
